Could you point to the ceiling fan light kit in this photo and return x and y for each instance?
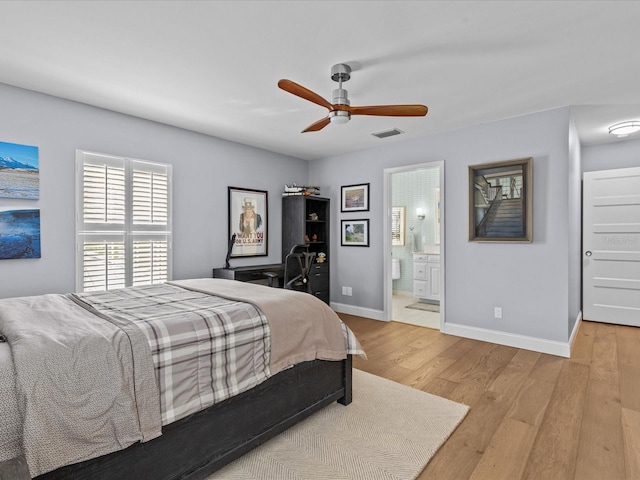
(339, 116)
(340, 110)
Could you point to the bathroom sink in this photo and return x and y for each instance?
(431, 250)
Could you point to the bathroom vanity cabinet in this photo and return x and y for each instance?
(426, 276)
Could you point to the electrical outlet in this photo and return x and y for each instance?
(346, 291)
(497, 312)
(349, 291)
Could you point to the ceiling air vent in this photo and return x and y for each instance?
(387, 133)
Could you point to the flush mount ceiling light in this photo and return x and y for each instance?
(624, 128)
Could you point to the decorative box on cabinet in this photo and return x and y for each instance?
(426, 276)
(299, 226)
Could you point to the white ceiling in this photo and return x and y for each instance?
(213, 66)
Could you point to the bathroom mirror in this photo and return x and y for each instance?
(397, 225)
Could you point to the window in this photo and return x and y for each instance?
(397, 225)
(123, 222)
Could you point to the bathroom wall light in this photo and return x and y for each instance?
(420, 213)
(624, 128)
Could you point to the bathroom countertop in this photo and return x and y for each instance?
(431, 250)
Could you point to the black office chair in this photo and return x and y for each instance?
(297, 266)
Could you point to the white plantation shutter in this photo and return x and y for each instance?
(150, 213)
(124, 222)
(150, 261)
(103, 265)
(104, 194)
(150, 195)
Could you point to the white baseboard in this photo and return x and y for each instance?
(574, 332)
(551, 347)
(541, 345)
(359, 311)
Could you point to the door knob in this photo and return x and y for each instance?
(588, 253)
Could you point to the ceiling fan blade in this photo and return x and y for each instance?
(302, 92)
(319, 125)
(391, 110)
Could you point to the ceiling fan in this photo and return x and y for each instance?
(340, 111)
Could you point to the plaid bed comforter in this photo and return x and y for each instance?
(205, 348)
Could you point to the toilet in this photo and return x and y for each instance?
(395, 268)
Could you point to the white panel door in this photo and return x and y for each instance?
(611, 246)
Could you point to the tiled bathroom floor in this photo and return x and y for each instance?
(408, 315)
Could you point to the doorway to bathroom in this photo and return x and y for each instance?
(414, 244)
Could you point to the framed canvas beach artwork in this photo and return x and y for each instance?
(19, 234)
(19, 171)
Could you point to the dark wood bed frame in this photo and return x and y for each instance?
(196, 446)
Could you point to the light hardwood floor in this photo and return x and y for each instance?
(533, 416)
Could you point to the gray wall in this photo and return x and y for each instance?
(574, 190)
(537, 285)
(529, 281)
(624, 154)
(203, 168)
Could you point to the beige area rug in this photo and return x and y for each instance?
(427, 307)
(389, 431)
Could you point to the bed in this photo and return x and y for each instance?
(143, 397)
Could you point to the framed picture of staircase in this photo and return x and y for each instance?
(501, 201)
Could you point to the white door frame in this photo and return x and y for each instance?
(386, 270)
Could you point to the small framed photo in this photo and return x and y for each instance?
(355, 198)
(248, 222)
(354, 233)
